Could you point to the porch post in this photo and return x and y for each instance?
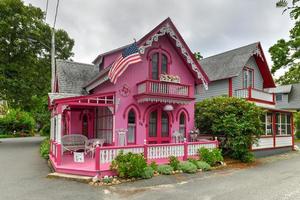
(58, 128)
(292, 127)
(51, 128)
(97, 158)
(145, 150)
(185, 149)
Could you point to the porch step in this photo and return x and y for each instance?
(82, 179)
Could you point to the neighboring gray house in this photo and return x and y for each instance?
(287, 97)
(244, 73)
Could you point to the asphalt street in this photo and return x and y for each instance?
(23, 176)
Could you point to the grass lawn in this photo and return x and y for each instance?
(297, 140)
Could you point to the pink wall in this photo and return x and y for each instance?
(139, 72)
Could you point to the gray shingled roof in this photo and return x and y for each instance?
(227, 64)
(294, 99)
(53, 96)
(280, 89)
(72, 76)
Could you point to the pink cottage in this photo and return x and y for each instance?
(150, 108)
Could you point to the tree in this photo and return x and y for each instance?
(198, 55)
(286, 54)
(25, 41)
(235, 120)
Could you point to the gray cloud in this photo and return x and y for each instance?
(208, 26)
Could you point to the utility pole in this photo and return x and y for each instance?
(53, 64)
(53, 70)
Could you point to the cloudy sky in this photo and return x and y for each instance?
(208, 26)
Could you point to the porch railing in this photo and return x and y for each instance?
(255, 95)
(163, 88)
(155, 152)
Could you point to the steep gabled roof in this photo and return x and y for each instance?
(71, 76)
(164, 28)
(293, 96)
(230, 63)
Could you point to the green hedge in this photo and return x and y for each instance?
(18, 122)
(235, 120)
(45, 148)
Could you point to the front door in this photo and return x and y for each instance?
(158, 129)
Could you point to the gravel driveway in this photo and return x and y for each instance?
(23, 176)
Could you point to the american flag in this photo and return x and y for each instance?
(129, 56)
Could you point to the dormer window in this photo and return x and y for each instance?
(159, 65)
(248, 78)
(278, 97)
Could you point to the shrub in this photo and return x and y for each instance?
(45, 131)
(129, 165)
(200, 164)
(17, 121)
(174, 162)
(297, 124)
(148, 172)
(153, 165)
(165, 169)
(203, 165)
(212, 157)
(247, 157)
(234, 119)
(188, 167)
(44, 148)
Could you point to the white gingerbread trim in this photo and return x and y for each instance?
(168, 30)
(257, 53)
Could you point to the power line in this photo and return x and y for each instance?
(56, 11)
(46, 10)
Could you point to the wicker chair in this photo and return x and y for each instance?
(73, 142)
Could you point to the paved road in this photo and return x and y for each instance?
(23, 172)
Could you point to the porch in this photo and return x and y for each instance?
(100, 164)
(255, 95)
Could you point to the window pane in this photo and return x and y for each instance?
(288, 118)
(153, 124)
(164, 124)
(245, 79)
(278, 97)
(250, 78)
(164, 64)
(277, 123)
(182, 119)
(155, 66)
(269, 130)
(131, 117)
(131, 133)
(288, 129)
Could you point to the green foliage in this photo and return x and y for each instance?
(148, 172)
(248, 157)
(234, 120)
(129, 165)
(174, 162)
(165, 169)
(188, 167)
(44, 148)
(200, 164)
(25, 71)
(107, 179)
(153, 165)
(203, 165)
(286, 53)
(17, 121)
(297, 124)
(210, 156)
(198, 55)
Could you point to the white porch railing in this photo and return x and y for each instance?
(105, 155)
(165, 88)
(255, 95)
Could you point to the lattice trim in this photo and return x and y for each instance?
(168, 30)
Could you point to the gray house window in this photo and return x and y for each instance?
(278, 97)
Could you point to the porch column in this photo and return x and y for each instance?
(58, 128)
(51, 128)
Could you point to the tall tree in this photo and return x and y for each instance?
(285, 54)
(25, 41)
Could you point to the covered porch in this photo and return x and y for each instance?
(100, 163)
